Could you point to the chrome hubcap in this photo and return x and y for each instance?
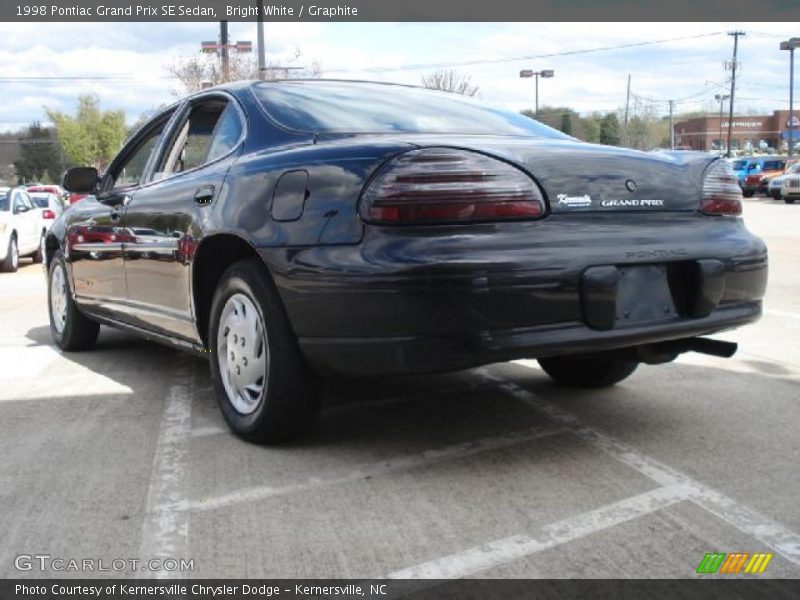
(242, 353)
(58, 298)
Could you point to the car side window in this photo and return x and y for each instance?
(212, 129)
(129, 174)
(27, 201)
(16, 201)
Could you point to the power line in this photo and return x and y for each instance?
(487, 61)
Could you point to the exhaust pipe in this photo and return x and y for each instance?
(712, 347)
(662, 352)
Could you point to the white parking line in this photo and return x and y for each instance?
(372, 469)
(776, 536)
(207, 431)
(499, 552)
(165, 531)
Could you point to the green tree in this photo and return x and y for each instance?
(566, 123)
(91, 137)
(40, 157)
(609, 130)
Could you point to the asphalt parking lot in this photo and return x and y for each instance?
(495, 472)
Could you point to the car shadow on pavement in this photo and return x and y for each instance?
(447, 408)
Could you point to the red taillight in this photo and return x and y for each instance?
(721, 192)
(48, 214)
(446, 185)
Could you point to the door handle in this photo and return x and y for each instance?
(204, 195)
(116, 211)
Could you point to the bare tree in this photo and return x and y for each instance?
(450, 81)
(196, 72)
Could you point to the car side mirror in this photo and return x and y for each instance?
(81, 180)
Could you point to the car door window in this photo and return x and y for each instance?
(212, 129)
(130, 173)
(16, 201)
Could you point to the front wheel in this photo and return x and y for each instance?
(748, 193)
(265, 389)
(587, 371)
(789, 200)
(11, 263)
(69, 327)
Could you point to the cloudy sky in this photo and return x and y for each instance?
(134, 57)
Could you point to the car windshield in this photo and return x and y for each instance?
(342, 107)
(739, 165)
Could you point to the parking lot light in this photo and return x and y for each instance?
(527, 73)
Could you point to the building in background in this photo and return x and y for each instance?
(752, 132)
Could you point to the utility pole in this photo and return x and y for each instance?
(720, 98)
(671, 126)
(262, 53)
(224, 56)
(790, 45)
(627, 106)
(735, 35)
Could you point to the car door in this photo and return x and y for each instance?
(27, 222)
(164, 218)
(95, 234)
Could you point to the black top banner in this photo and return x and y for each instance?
(400, 10)
(384, 589)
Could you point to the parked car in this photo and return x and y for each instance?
(775, 185)
(53, 189)
(751, 165)
(790, 188)
(757, 182)
(21, 228)
(300, 228)
(49, 205)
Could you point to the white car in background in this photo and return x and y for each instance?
(49, 205)
(21, 228)
(775, 185)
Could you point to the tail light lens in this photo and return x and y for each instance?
(48, 214)
(446, 185)
(721, 192)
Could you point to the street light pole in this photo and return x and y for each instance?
(790, 45)
(262, 53)
(720, 98)
(528, 73)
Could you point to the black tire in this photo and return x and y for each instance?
(290, 398)
(78, 332)
(587, 371)
(38, 257)
(789, 200)
(748, 193)
(11, 263)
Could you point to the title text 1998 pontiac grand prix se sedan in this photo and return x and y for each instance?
(292, 229)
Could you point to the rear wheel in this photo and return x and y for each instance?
(38, 258)
(748, 193)
(265, 389)
(587, 371)
(69, 327)
(11, 263)
(789, 200)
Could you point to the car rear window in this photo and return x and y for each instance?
(40, 201)
(739, 164)
(342, 107)
(773, 165)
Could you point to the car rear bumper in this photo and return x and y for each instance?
(434, 299)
